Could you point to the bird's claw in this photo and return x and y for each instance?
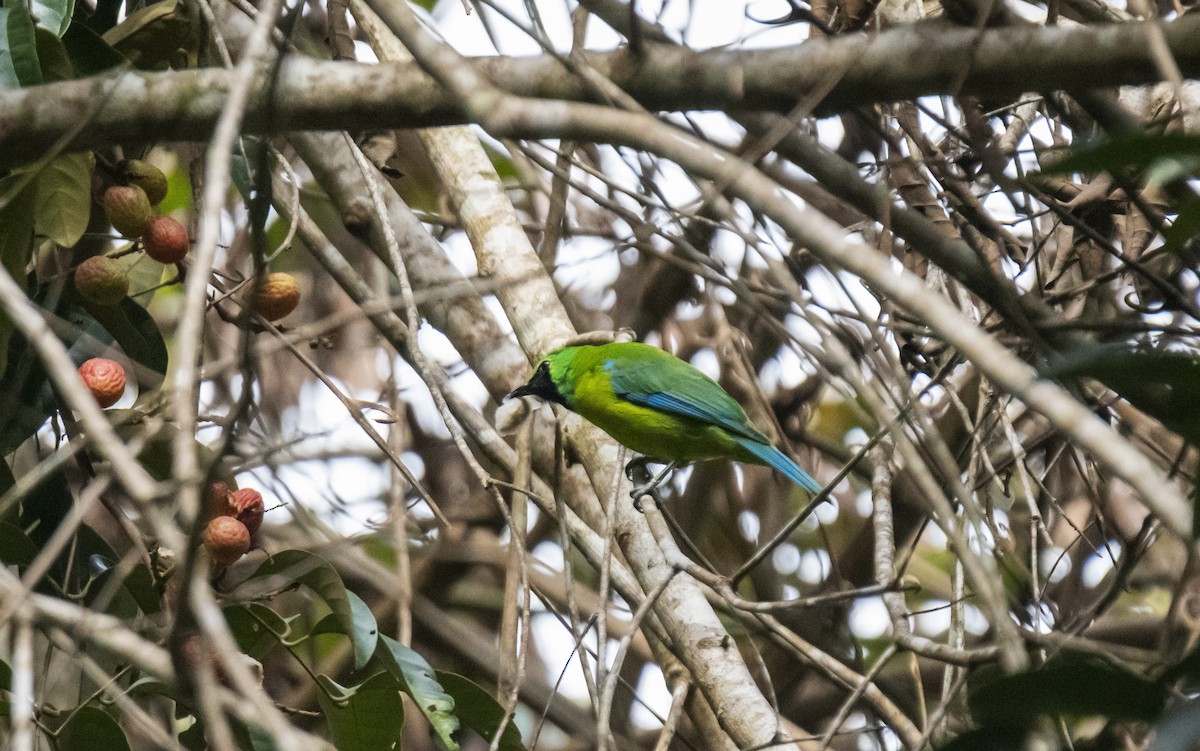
(648, 485)
(641, 491)
(637, 469)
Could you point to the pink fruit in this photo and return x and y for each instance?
(104, 378)
(166, 240)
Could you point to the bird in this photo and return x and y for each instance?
(656, 405)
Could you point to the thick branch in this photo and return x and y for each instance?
(925, 58)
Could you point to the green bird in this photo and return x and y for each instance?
(657, 405)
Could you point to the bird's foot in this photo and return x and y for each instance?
(638, 472)
(637, 469)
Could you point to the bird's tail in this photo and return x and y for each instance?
(780, 461)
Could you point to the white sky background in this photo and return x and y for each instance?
(592, 267)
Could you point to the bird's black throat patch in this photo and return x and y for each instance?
(541, 385)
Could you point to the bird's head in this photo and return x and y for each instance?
(547, 380)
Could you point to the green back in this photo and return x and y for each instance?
(650, 377)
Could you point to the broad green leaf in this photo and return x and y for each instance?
(89, 53)
(291, 567)
(145, 277)
(155, 687)
(53, 15)
(150, 36)
(1068, 684)
(157, 454)
(52, 57)
(479, 710)
(6, 477)
(26, 400)
(1179, 728)
(63, 196)
(22, 44)
(253, 737)
(137, 332)
(258, 629)
(119, 602)
(366, 717)
(239, 172)
(16, 242)
(1185, 227)
(421, 683)
(1134, 150)
(987, 739)
(16, 549)
(1161, 384)
(366, 631)
(140, 585)
(89, 729)
(179, 192)
(8, 72)
(193, 738)
(45, 506)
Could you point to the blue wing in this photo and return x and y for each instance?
(666, 383)
(663, 382)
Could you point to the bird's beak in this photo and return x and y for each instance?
(519, 391)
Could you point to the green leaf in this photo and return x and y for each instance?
(5, 676)
(419, 681)
(132, 327)
(1068, 684)
(366, 631)
(987, 739)
(193, 738)
(1161, 384)
(63, 196)
(25, 396)
(157, 454)
(45, 506)
(479, 710)
(151, 35)
(366, 717)
(6, 477)
(89, 53)
(179, 192)
(91, 728)
(258, 629)
(1179, 729)
(253, 737)
(8, 73)
(53, 15)
(1194, 497)
(52, 57)
(16, 242)
(155, 687)
(22, 44)
(1133, 150)
(16, 549)
(141, 586)
(119, 603)
(290, 567)
(1185, 227)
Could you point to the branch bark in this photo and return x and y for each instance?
(308, 94)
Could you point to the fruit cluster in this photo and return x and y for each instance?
(129, 207)
(235, 518)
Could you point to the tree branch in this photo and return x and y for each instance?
(307, 94)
